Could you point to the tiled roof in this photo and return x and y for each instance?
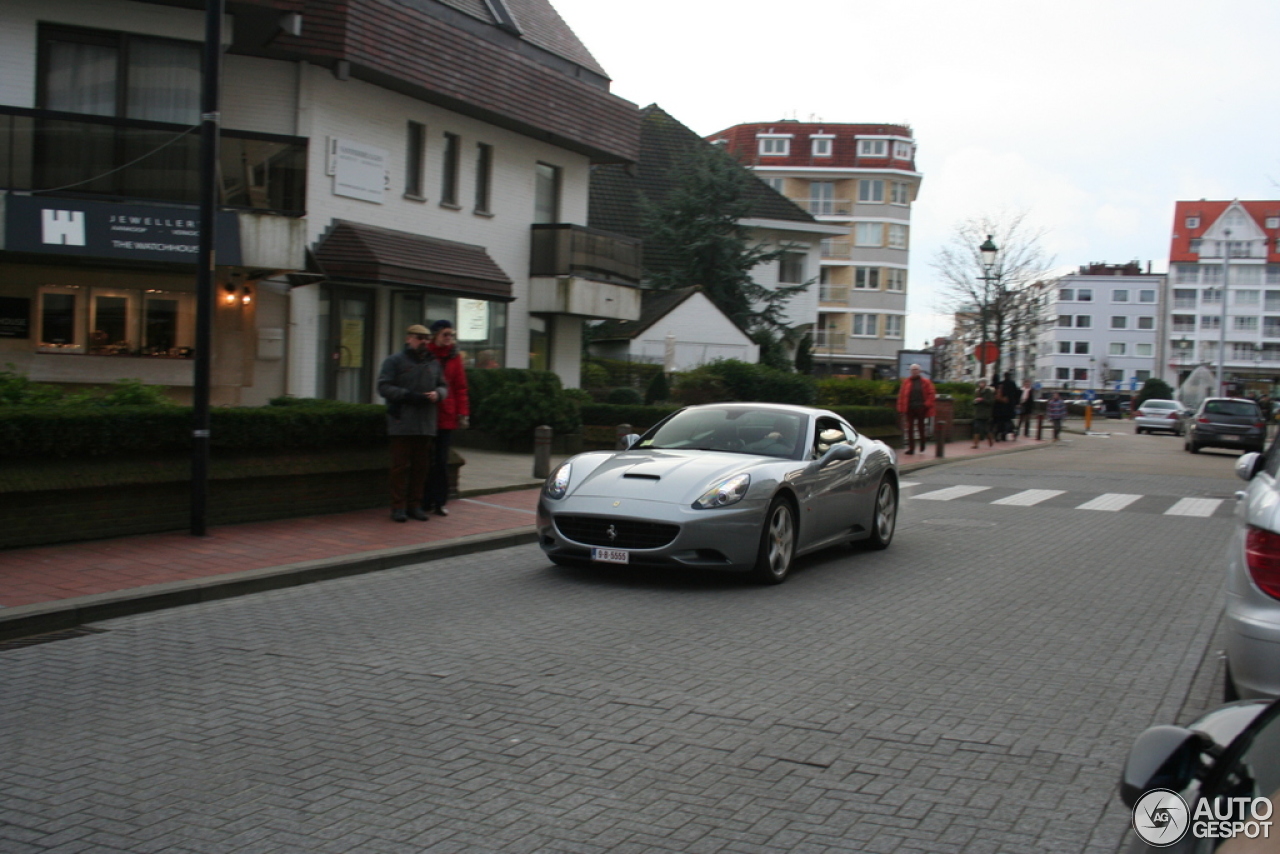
(353, 252)
(742, 142)
(654, 305)
(422, 48)
(1208, 213)
(616, 191)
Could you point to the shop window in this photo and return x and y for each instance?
(116, 321)
(59, 322)
(109, 327)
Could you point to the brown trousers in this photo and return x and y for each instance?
(410, 462)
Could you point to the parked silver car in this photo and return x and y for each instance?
(737, 486)
(1251, 617)
(1226, 422)
(1157, 414)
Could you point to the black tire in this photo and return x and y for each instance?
(1138, 430)
(884, 518)
(777, 543)
(1192, 447)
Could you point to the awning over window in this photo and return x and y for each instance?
(352, 252)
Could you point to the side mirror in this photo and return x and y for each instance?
(1249, 465)
(841, 451)
(1163, 757)
(629, 441)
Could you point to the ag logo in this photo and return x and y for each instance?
(1161, 818)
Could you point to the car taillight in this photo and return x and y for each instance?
(1260, 424)
(1262, 554)
(1203, 420)
(1173, 416)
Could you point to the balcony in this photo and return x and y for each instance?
(563, 249)
(826, 207)
(114, 159)
(834, 293)
(837, 250)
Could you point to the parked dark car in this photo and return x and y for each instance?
(1202, 787)
(1226, 422)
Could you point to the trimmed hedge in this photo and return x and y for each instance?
(59, 431)
(641, 418)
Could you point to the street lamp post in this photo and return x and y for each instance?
(987, 252)
(1222, 329)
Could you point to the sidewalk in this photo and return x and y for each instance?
(51, 588)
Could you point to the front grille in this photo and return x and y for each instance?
(627, 533)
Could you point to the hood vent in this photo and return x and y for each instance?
(641, 476)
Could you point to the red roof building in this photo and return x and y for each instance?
(863, 178)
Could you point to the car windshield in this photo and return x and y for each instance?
(1160, 404)
(1231, 407)
(767, 432)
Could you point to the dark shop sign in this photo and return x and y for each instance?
(108, 230)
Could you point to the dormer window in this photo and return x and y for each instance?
(1193, 222)
(821, 146)
(873, 147)
(902, 151)
(1273, 222)
(775, 146)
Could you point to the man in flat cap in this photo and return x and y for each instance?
(413, 384)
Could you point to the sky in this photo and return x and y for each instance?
(1090, 117)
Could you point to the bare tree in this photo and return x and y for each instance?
(1002, 299)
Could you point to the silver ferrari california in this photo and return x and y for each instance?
(736, 486)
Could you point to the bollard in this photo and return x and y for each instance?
(944, 415)
(940, 431)
(623, 431)
(542, 452)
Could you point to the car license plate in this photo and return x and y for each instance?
(1231, 438)
(610, 555)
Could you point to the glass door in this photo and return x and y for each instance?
(349, 370)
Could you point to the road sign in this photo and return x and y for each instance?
(986, 352)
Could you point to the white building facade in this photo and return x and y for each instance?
(1100, 329)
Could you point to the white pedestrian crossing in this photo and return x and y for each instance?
(950, 493)
(1110, 501)
(1029, 497)
(1194, 507)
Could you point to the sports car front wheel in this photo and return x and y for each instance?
(885, 520)
(777, 544)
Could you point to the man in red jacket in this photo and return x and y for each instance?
(916, 402)
(454, 413)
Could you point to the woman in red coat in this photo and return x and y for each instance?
(916, 401)
(454, 412)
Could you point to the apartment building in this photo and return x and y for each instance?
(381, 164)
(861, 177)
(1100, 329)
(1224, 281)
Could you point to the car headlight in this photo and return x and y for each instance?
(558, 484)
(724, 493)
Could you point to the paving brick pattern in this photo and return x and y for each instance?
(972, 689)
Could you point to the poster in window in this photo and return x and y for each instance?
(352, 352)
(15, 317)
(473, 320)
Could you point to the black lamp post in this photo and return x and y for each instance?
(987, 251)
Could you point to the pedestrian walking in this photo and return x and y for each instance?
(413, 385)
(916, 404)
(1026, 408)
(984, 397)
(1056, 411)
(454, 413)
(1002, 412)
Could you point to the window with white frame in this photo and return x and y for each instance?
(863, 325)
(1119, 321)
(1081, 348)
(791, 268)
(1146, 323)
(1272, 301)
(1084, 321)
(1273, 222)
(1184, 297)
(1116, 348)
(1211, 296)
(821, 146)
(1066, 321)
(1142, 349)
(1211, 275)
(869, 234)
(1210, 321)
(1193, 222)
(1246, 297)
(1115, 375)
(1147, 295)
(902, 151)
(895, 279)
(871, 190)
(1066, 295)
(866, 278)
(1248, 323)
(822, 198)
(893, 326)
(1120, 295)
(1184, 322)
(873, 147)
(1084, 295)
(1194, 245)
(1187, 274)
(1064, 347)
(900, 192)
(1080, 374)
(775, 146)
(1062, 373)
(775, 184)
(897, 236)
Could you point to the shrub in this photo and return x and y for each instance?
(594, 375)
(511, 402)
(1154, 389)
(657, 392)
(854, 391)
(623, 396)
(739, 380)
